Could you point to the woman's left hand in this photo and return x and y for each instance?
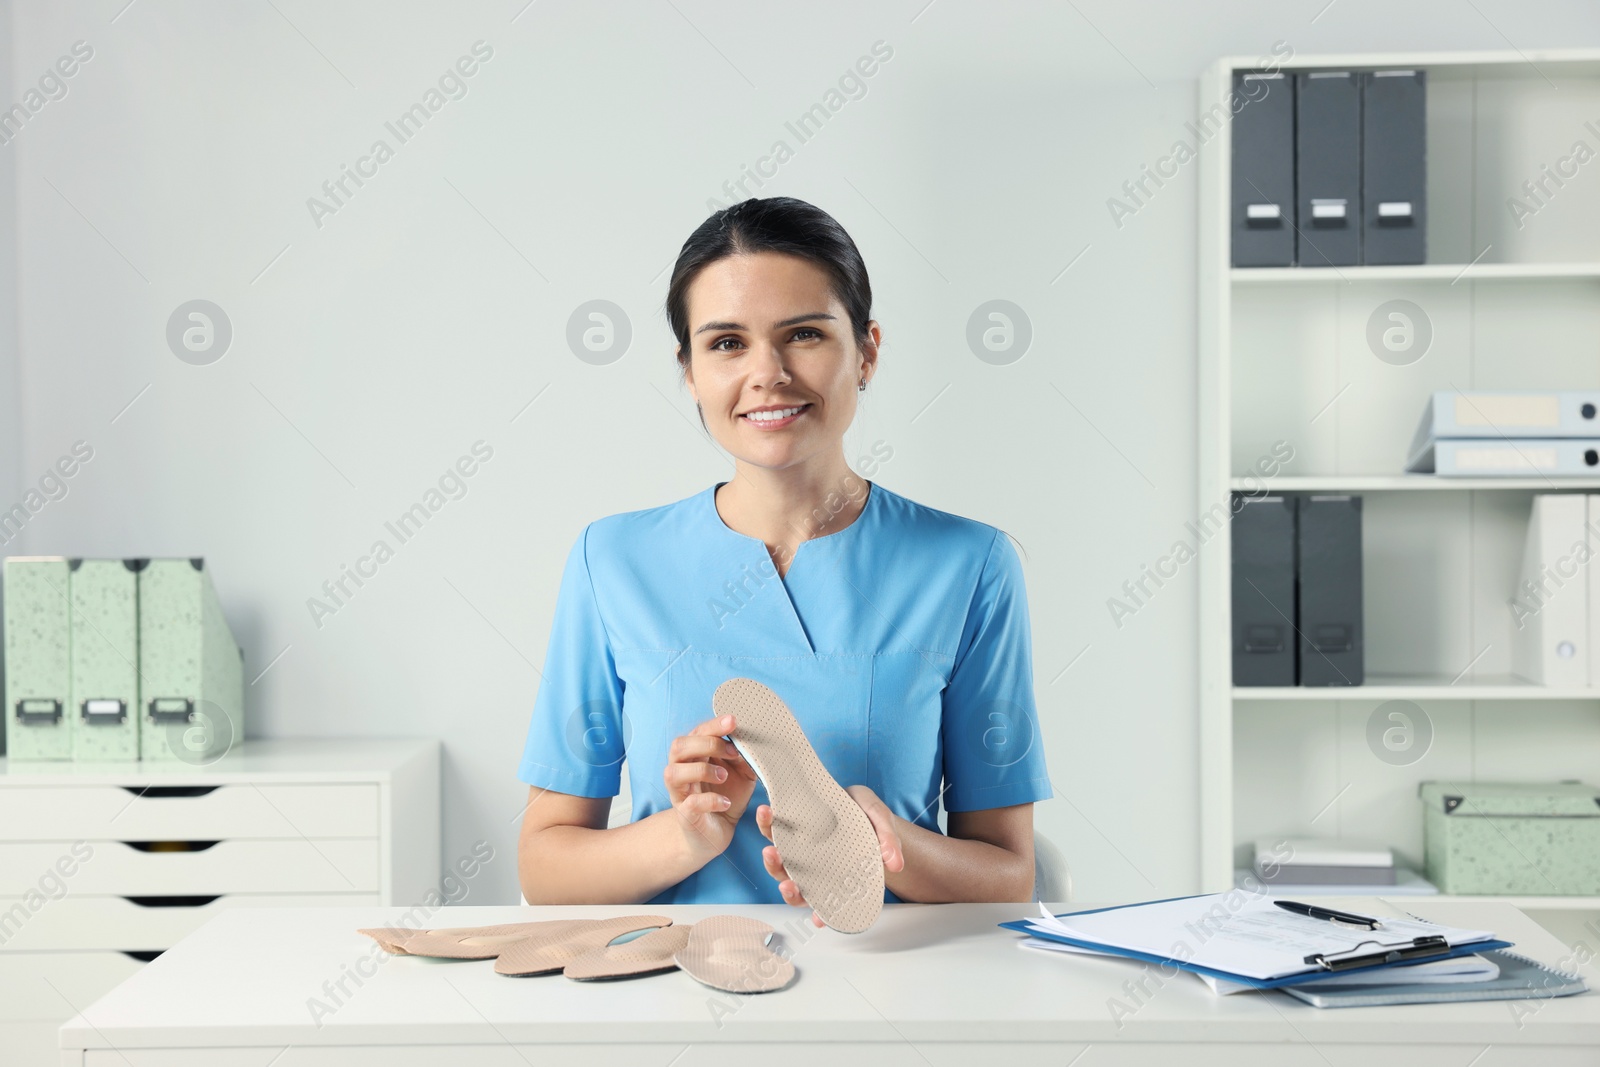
(882, 820)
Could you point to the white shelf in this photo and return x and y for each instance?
(1527, 63)
(1288, 357)
(1419, 272)
(1383, 483)
(1419, 687)
(1524, 903)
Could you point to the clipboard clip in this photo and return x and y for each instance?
(1418, 948)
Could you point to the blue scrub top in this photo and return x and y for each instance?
(901, 643)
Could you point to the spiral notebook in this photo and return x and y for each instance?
(1519, 979)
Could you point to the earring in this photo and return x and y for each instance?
(862, 387)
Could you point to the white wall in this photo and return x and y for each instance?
(10, 398)
(432, 307)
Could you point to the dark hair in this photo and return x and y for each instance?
(775, 224)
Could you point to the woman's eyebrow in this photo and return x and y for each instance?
(797, 320)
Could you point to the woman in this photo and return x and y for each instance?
(897, 634)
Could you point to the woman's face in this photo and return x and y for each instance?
(767, 332)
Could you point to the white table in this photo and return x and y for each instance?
(927, 985)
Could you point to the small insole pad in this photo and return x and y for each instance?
(824, 839)
(464, 942)
(730, 953)
(643, 955)
(544, 953)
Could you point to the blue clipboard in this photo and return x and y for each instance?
(1021, 926)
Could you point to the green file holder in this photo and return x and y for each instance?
(38, 658)
(191, 692)
(105, 659)
(1512, 838)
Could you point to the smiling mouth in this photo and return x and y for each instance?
(767, 418)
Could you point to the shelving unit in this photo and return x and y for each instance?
(1284, 357)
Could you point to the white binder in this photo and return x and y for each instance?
(1550, 642)
(1511, 433)
(1554, 413)
(1507, 457)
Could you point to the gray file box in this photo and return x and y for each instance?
(1328, 600)
(38, 658)
(1394, 167)
(1263, 590)
(105, 659)
(191, 690)
(1263, 171)
(1328, 168)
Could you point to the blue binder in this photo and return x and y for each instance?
(1450, 952)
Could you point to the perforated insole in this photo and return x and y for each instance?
(648, 954)
(825, 840)
(464, 942)
(729, 952)
(544, 953)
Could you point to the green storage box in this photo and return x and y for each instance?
(191, 678)
(105, 659)
(1514, 838)
(38, 658)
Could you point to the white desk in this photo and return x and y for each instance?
(927, 985)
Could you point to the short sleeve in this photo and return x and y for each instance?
(993, 752)
(575, 741)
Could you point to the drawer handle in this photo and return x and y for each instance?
(156, 792)
(171, 902)
(170, 709)
(144, 956)
(38, 712)
(105, 711)
(170, 846)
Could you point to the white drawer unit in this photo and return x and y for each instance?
(200, 812)
(105, 865)
(150, 868)
(140, 924)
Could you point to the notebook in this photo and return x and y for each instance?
(1520, 978)
(1475, 968)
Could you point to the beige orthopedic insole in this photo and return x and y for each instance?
(646, 954)
(729, 952)
(544, 953)
(465, 942)
(824, 839)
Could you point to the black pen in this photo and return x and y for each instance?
(1314, 912)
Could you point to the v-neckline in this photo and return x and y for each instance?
(757, 543)
(711, 501)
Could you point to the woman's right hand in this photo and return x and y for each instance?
(709, 784)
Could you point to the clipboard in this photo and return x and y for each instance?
(1372, 953)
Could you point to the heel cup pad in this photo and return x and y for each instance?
(730, 953)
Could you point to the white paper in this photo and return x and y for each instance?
(1238, 932)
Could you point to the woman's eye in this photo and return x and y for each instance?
(716, 346)
(806, 333)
